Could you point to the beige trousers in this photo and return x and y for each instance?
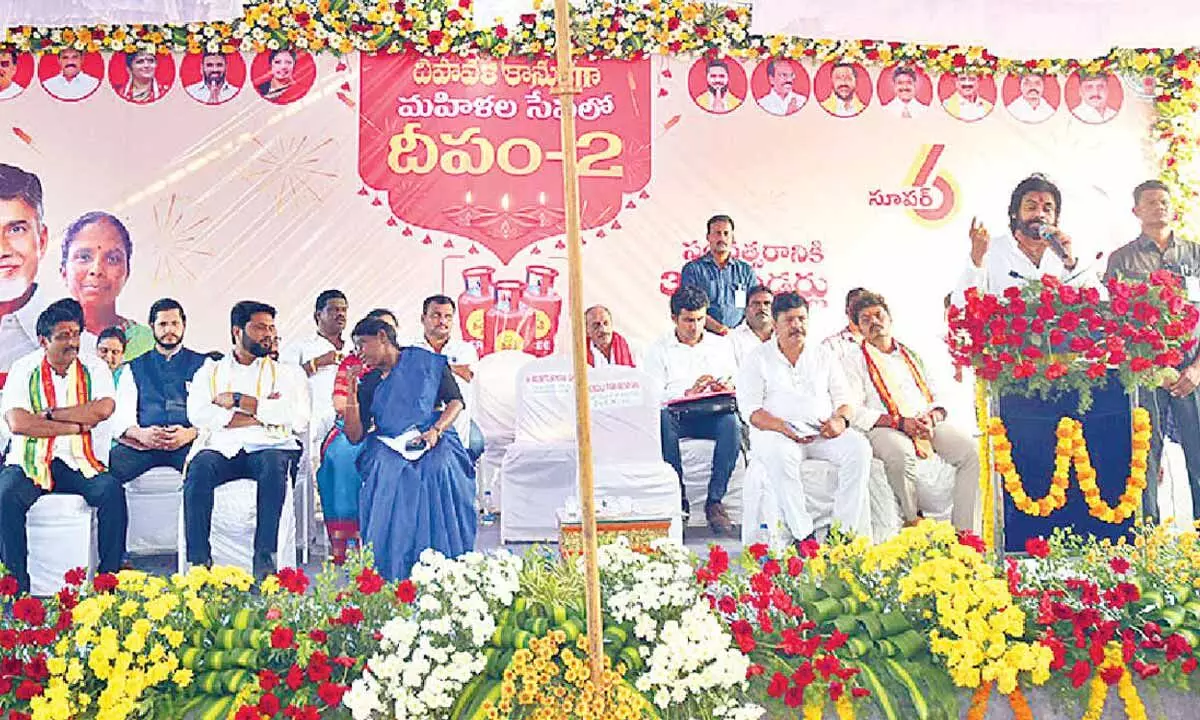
(900, 463)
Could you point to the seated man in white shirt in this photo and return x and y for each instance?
(845, 342)
(56, 402)
(319, 355)
(796, 397)
(758, 327)
(1034, 210)
(249, 410)
(605, 345)
(688, 362)
(903, 418)
(437, 323)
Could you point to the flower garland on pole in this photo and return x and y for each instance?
(982, 421)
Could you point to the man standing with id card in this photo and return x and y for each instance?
(726, 280)
(1157, 248)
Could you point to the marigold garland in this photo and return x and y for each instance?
(985, 466)
(1114, 659)
(1020, 705)
(1071, 447)
(844, 708)
(979, 701)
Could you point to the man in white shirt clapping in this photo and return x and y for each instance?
(249, 410)
(797, 401)
(686, 363)
(903, 418)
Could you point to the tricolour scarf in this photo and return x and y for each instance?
(39, 452)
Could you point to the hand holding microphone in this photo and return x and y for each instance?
(1059, 242)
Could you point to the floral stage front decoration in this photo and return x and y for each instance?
(1048, 338)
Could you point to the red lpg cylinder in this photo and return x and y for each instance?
(508, 324)
(473, 304)
(546, 305)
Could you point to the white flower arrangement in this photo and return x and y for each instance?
(690, 659)
(427, 658)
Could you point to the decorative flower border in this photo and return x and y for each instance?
(631, 29)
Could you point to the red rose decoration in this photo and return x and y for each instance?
(1037, 547)
(283, 638)
(369, 582)
(406, 591)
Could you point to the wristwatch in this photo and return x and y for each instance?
(237, 400)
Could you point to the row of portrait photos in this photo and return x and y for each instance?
(782, 87)
(144, 78)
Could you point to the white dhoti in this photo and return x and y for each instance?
(775, 495)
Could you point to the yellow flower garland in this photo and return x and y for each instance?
(1071, 446)
(985, 466)
(1135, 709)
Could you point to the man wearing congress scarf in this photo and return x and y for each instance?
(605, 346)
(56, 404)
(902, 417)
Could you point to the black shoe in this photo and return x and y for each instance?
(687, 511)
(264, 565)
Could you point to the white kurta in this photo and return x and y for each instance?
(283, 406)
(804, 394)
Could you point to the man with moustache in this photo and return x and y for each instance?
(905, 105)
(903, 418)
(1031, 105)
(1157, 248)
(152, 399)
(23, 240)
(1034, 209)
(437, 323)
(57, 405)
(758, 327)
(213, 88)
(843, 101)
(845, 342)
(725, 280)
(71, 82)
(9, 88)
(799, 406)
(781, 74)
(320, 354)
(965, 103)
(249, 411)
(717, 98)
(605, 345)
(1093, 99)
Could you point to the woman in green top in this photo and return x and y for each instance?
(96, 252)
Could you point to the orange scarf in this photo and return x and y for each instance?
(39, 452)
(923, 447)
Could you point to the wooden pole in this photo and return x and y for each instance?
(566, 90)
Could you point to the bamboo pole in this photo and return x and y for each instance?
(566, 91)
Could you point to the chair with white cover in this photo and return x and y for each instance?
(540, 468)
(494, 388)
(61, 532)
(153, 499)
(233, 521)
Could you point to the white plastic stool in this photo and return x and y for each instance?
(61, 531)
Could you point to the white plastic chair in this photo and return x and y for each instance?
(61, 532)
(495, 412)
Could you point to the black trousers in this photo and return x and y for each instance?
(18, 494)
(209, 469)
(126, 463)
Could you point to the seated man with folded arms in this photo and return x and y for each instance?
(57, 403)
(687, 362)
(249, 410)
(152, 399)
(903, 417)
(795, 395)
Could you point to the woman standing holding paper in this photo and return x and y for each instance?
(424, 498)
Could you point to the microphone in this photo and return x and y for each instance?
(1050, 235)
(1017, 276)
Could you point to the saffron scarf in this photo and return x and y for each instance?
(621, 354)
(39, 452)
(882, 378)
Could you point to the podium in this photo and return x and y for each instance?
(1031, 424)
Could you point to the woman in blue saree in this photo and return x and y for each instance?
(338, 481)
(407, 506)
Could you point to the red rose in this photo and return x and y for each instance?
(727, 605)
(1057, 337)
(1031, 352)
(30, 611)
(971, 540)
(754, 670)
(1055, 370)
(778, 685)
(794, 566)
(267, 680)
(9, 586)
(1037, 547)
(1080, 672)
(350, 616)
(268, 705)
(318, 636)
(501, 31)
(454, 16)
(731, 15)
(435, 37)
(331, 693)
(1120, 306)
(295, 678)
(282, 638)
(294, 580)
(1024, 370)
(860, 692)
(406, 591)
(1188, 665)
(804, 675)
(1138, 364)
(105, 582)
(771, 568)
(757, 550)
(1112, 674)
(369, 582)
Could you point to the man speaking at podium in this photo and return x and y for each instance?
(1036, 246)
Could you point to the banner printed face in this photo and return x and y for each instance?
(388, 178)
